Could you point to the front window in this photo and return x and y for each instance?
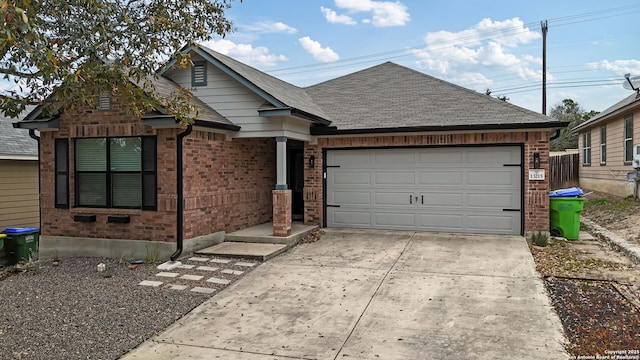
(603, 145)
(586, 148)
(116, 172)
(628, 140)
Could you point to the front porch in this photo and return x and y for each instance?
(258, 242)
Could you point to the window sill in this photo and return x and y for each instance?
(105, 211)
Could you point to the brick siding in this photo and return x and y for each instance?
(227, 183)
(536, 198)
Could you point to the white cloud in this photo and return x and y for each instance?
(319, 53)
(487, 45)
(266, 27)
(334, 18)
(620, 67)
(383, 13)
(246, 53)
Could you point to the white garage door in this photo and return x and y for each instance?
(470, 190)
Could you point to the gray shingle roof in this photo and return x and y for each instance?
(613, 110)
(16, 141)
(290, 95)
(164, 88)
(392, 96)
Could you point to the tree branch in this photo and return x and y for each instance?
(21, 74)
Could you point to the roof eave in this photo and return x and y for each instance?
(605, 118)
(550, 125)
(294, 112)
(164, 120)
(50, 123)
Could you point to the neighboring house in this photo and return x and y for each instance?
(606, 142)
(383, 148)
(18, 177)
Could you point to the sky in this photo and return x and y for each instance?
(496, 45)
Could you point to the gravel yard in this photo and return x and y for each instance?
(72, 311)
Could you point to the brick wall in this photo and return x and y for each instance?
(145, 225)
(227, 183)
(536, 199)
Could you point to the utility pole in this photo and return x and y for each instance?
(545, 28)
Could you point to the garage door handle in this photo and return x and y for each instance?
(422, 196)
(410, 199)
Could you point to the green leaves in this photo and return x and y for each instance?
(88, 47)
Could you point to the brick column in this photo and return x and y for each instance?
(281, 212)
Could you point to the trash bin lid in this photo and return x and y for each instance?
(18, 231)
(574, 191)
(3, 235)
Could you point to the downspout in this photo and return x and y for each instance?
(180, 195)
(32, 134)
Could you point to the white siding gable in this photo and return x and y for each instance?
(239, 104)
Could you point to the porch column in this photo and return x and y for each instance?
(281, 195)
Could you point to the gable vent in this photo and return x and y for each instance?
(199, 74)
(104, 102)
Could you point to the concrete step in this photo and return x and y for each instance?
(250, 250)
(263, 233)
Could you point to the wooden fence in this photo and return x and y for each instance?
(564, 171)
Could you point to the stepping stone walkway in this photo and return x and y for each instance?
(196, 275)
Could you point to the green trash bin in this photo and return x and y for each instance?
(21, 243)
(564, 216)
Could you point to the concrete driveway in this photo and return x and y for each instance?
(377, 295)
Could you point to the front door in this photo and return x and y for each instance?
(296, 181)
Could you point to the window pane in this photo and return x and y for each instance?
(126, 190)
(628, 128)
(62, 148)
(628, 150)
(149, 191)
(149, 154)
(92, 189)
(91, 155)
(125, 154)
(62, 197)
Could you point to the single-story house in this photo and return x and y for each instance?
(18, 177)
(382, 148)
(606, 142)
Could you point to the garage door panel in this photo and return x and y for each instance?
(393, 198)
(441, 222)
(395, 158)
(351, 218)
(352, 178)
(440, 157)
(395, 178)
(441, 199)
(492, 178)
(351, 198)
(491, 156)
(453, 189)
(348, 159)
(497, 223)
(444, 178)
(395, 219)
(493, 200)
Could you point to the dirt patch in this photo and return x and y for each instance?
(618, 214)
(594, 288)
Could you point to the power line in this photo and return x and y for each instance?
(408, 51)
